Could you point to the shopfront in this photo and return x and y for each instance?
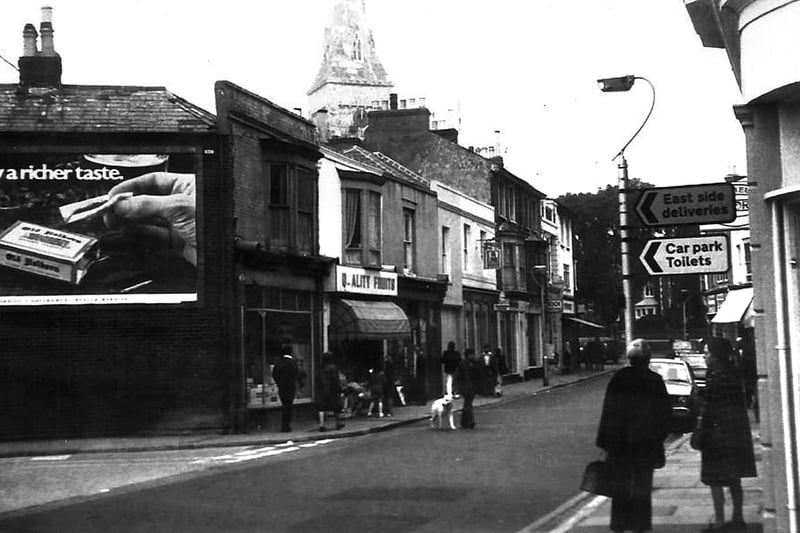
(274, 317)
(365, 325)
(734, 315)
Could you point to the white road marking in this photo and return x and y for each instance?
(258, 453)
(51, 458)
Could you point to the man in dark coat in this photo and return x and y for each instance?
(287, 376)
(633, 426)
(467, 377)
(450, 360)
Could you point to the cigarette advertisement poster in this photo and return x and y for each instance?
(80, 229)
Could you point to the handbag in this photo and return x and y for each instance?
(697, 440)
(598, 478)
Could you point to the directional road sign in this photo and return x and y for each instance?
(705, 254)
(690, 204)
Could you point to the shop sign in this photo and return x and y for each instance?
(363, 281)
(554, 306)
(568, 307)
(60, 243)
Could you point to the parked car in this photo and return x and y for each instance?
(697, 362)
(682, 390)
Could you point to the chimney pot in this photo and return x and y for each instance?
(393, 101)
(48, 47)
(47, 14)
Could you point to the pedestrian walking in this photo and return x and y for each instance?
(726, 443)
(450, 360)
(389, 384)
(287, 377)
(633, 426)
(468, 377)
(499, 368)
(488, 380)
(330, 391)
(377, 384)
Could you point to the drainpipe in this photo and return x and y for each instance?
(784, 362)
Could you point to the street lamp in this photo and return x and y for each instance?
(622, 84)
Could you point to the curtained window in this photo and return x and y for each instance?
(352, 226)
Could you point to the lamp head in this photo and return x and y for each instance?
(615, 85)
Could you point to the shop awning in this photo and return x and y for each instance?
(359, 319)
(734, 307)
(583, 322)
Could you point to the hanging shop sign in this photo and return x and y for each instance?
(706, 254)
(491, 255)
(689, 204)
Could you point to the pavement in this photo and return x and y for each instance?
(681, 503)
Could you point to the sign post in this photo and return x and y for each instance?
(689, 204)
(706, 254)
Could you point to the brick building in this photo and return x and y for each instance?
(113, 325)
(115, 338)
(404, 135)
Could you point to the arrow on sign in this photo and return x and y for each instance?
(644, 208)
(649, 257)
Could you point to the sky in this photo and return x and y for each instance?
(527, 69)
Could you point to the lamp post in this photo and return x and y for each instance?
(545, 370)
(685, 295)
(622, 84)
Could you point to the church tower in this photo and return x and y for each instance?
(351, 79)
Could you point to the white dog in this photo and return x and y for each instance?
(442, 408)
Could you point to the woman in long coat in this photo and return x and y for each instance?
(726, 443)
(330, 391)
(633, 426)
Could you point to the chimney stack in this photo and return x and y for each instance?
(40, 68)
(29, 37)
(393, 101)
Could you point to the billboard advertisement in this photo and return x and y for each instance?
(99, 229)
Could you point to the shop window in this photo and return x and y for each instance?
(409, 234)
(274, 318)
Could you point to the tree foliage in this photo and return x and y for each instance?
(595, 219)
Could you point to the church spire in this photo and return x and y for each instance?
(351, 79)
(349, 50)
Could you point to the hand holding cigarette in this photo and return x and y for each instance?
(162, 207)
